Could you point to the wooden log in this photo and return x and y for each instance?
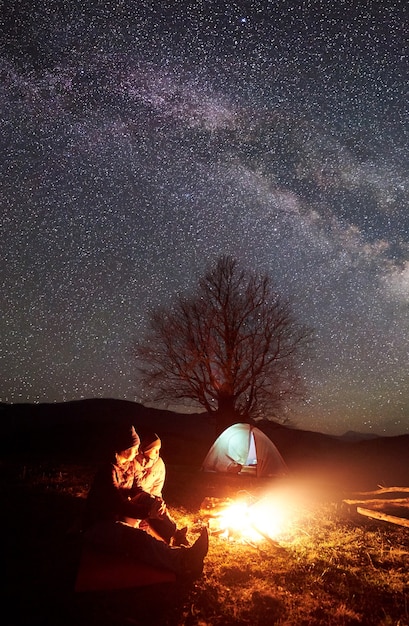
(381, 490)
(379, 501)
(212, 507)
(268, 538)
(401, 521)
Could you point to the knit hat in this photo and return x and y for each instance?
(127, 438)
(149, 442)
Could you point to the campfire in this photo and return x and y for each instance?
(246, 519)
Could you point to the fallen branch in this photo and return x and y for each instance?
(401, 521)
(381, 490)
(379, 501)
(253, 545)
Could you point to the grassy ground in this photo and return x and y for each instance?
(327, 566)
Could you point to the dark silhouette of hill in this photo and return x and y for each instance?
(360, 464)
(352, 435)
(83, 430)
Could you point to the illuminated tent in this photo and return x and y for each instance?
(243, 446)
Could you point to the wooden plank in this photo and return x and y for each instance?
(401, 521)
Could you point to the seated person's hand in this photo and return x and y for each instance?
(158, 508)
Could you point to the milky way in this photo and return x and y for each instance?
(141, 140)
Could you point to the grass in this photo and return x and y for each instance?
(328, 566)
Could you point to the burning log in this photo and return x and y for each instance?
(266, 537)
(212, 507)
(241, 520)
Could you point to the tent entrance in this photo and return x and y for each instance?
(251, 460)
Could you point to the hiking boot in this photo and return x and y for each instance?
(193, 557)
(179, 538)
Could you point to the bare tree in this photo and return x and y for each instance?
(233, 348)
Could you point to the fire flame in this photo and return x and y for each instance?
(267, 519)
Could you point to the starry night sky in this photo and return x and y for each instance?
(142, 140)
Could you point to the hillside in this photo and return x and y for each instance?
(82, 431)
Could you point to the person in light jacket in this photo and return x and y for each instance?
(114, 498)
(150, 477)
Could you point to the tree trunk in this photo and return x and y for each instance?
(226, 414)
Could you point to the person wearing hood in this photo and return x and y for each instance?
(150, 477)
(113, 499)
(151, 471)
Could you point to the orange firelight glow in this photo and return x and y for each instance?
(266, 518)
